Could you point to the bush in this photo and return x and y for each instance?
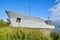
(55, 36)
(2, 23)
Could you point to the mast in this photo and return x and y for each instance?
(29, 7)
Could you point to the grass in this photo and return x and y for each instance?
(13, 33)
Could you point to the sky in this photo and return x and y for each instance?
(38, 8)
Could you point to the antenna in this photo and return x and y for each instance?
(48, 18)
(29, 7)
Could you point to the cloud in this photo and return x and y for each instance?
(57, 1)
(55, 11)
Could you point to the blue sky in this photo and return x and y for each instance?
(39, 8)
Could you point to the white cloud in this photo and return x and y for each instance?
(55, 11)
(57, 1)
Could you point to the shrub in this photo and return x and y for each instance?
(55, 36)
(2, 23)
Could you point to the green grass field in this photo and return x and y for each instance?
(11, 33)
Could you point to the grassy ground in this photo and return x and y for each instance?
(11, 33)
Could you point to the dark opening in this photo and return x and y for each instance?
(18, 20)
